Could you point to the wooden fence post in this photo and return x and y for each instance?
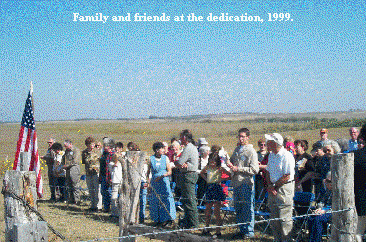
(20, 223)
(344, 224)
(132, 168)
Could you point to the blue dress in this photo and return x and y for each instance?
(162, 188)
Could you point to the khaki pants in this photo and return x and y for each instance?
(281, 207)
(92, 181)
(361, 226)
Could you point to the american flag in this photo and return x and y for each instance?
(27, 142)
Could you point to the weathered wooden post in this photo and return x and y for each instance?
(344, 224)
(22, 225)
(132, 168)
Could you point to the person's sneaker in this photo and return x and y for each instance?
(217, 235)
(166, 223)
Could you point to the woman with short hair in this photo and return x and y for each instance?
(162, 207)
(304, 166)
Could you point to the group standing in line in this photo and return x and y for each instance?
(280, 167)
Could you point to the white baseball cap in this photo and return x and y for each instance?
(276, 137)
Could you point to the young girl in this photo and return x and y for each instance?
(115, 167)
(214, 195)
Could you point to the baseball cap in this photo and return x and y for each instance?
(202, 141)
(276, 137)
(323, 131)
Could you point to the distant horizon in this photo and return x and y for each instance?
(185, 117)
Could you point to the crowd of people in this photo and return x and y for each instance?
(193, 172)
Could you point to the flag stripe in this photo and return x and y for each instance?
(19, 144)
(28, 140)
(34, 158)
(39, 183)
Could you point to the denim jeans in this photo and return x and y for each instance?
(106, 196)
(316, 226)
(143, 200)
(244, 208)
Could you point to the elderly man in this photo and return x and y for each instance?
(280, 180)
(352, 143)
(324, 141)
(188, 165)
(244, 164)
(49, 161)
(70, 161)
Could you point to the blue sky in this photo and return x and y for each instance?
(135, 69)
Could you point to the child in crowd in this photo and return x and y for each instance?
(116, 177)
(214, 195)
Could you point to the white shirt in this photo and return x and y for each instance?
(280, 164)
(57, 166)
(116, 172)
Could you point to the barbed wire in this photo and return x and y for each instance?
(212, 227)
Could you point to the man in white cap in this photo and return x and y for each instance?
(280, 180)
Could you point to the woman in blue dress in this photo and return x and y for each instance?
(160, 169)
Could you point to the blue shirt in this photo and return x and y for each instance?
(352, 144)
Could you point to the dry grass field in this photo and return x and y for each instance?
(77, 224)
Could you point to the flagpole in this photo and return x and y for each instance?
(31, 93)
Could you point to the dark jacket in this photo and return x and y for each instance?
(359, 181)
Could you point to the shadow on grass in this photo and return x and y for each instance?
(82, 211)
(74, 210)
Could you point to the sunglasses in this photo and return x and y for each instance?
(242, 136)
